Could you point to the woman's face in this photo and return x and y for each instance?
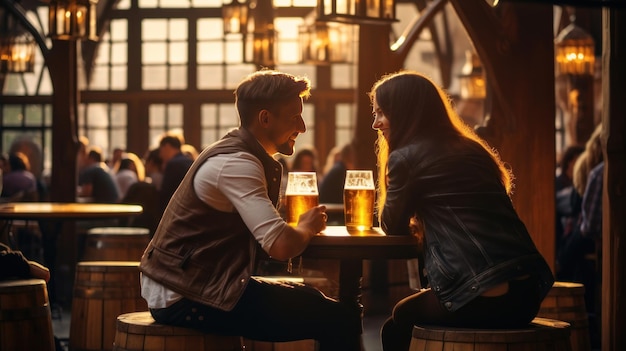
(381, 122)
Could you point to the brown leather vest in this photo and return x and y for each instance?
(204, 254)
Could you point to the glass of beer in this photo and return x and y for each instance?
(358, 199)
(300, 196)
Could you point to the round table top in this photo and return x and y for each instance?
(338, 242)
(57, 210)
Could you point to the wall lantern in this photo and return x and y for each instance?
(472, 78)
(73, 20)
(235, 16)
(17, 46)
(574, 50)
(261, 47)
(323, 43)
(357, 11)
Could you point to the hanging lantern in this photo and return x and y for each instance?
(574, 51)
(17, 46)
(357, 11)
(261, 47)
(235, 17)
(73, 20)
(17, 54)
(323, 43)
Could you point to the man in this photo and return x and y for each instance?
(197, 270)
(176, 166)
(95, 179)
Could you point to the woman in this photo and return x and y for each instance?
(440, 181)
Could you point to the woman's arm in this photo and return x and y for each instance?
(396, 212)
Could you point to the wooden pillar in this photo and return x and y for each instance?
(614, 200)
(521, 125)
(375, 60)
(62, 65)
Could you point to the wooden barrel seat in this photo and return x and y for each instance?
(566, 302)
(541, 335)
(25, 317)
(102, 291)
(138, 331)
(115, 243)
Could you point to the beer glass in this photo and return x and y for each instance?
(300, 196)
(358, 199)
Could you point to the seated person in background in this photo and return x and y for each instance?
(4, 164)
(129, 170)
(331, 186)
(197, 271)
(176, 164)
(19, 184)
(566, 212)
(13, 265)
(146, 194)
(440, 181)
(305, 160)
(153, 164)
(95, 179)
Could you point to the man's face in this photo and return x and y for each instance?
(285, 125)
(166, 152)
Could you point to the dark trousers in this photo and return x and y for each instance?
(270, 311)
(514, 309)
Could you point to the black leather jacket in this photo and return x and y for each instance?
(473, 237)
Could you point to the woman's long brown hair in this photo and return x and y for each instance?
(416, 108)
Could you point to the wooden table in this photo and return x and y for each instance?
(51, 216)
(65, 211)
(351, 248)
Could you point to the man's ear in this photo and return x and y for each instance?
(264, 118)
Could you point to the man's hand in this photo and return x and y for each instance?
(313, 221)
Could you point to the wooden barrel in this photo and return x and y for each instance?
(115, 243)
(566, 302)
(138, 332)
(102, 291)
(25, 318)
(299, 345)
(541, 335)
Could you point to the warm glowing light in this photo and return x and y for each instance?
(574, 52)
(72, 19)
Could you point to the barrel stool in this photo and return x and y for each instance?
(102, 291)
(115, 243)
(542, 334)
(25, 318)
(139, 332)
(566, 302)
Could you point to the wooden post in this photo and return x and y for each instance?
(614, 200)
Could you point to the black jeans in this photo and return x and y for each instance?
(515, 309)
(270, 311)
